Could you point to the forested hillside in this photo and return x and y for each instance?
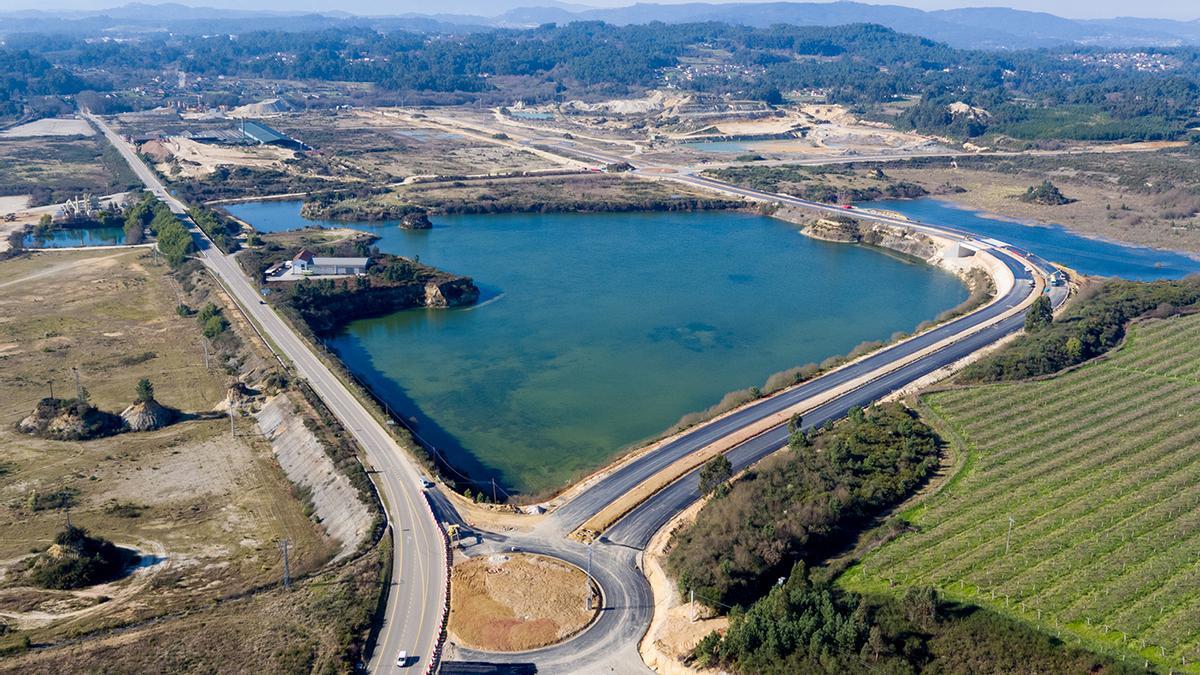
(1069, 93)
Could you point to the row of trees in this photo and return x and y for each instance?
(1094, 324)
(222, 230)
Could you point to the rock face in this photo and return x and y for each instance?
(415, 221)
(848, 230)
(453, 293)
(147, 416)
(336, 503)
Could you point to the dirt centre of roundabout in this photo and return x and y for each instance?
(510, 602)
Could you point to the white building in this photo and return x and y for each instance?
(306, 263)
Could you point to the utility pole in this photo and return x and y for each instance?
(1008, 539)
(495, 502)
(51, 383)
(692, 599)
(287, 570)
(205, 340)
(78, 387)
(589, 576)
(232, 431)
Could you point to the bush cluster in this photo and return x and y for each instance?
(793, 506)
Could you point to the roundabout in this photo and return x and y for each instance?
(512, 601)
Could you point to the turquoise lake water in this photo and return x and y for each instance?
(70, 237)
(598, 330)
(1053, 242)
(742, 147)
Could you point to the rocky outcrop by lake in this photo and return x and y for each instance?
(392, 284)
(849, 230)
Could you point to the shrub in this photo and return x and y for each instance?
(76, 560)
(794, 506)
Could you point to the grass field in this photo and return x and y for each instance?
(1099, 471)
(206, 508)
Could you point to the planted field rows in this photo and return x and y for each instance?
(1078, 507)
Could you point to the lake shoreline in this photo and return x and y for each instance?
(526, 376)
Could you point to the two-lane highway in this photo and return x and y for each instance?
(417, 595)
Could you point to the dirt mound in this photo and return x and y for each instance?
(517, 602)
(156, 151)
(237, 396)
(69, 420)
(77, 559)
(147, 416)
(267, 107)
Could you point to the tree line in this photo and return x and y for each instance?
(795, 506)
(1025, 93)
(1093, 324)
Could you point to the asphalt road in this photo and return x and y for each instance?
(609, 644)
(577, 511)
(417, 593)
(606, 645)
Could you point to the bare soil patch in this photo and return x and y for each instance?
(189, 159)
(50, 127)
(515, 602)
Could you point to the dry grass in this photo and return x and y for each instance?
(210, 507)
(1146, 219)
(516, 602)
(276, 631)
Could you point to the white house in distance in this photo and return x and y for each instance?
(306, 263)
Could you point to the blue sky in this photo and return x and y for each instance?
(1080, 9)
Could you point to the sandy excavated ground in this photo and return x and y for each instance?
(205, 506)
(13, 204)
(50, 127)
(514, 602)
(196, 160)
(677, 626)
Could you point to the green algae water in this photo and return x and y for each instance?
(595, 331)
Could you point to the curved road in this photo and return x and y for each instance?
(412, 620)
(610, 644)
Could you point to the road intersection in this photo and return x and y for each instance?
(413, 619)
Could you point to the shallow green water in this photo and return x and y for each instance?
(598, 330)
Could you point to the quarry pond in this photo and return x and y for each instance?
(1052, 242)
(595, 331)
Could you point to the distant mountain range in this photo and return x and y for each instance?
(988, 28)
(983, 28)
